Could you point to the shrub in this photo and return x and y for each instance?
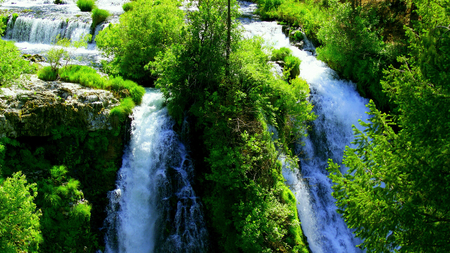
(98, 16)
(291, 67)
(11, 63)
(14, 17)
(128, 6)
(48, 74)
(86, 5)
(141, 34)
(280, 54)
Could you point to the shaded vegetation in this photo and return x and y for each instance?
(396, 194)
(230, 105)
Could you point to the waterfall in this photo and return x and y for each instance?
(338, 106)
(37, 30)
(154, 208)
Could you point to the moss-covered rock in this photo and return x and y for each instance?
(40, 106)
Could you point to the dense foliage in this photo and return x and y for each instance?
(11, 63)
(140, 35)
(73, 170)
(19, 218)
(357, 40)
(396, 192)
(230, 105)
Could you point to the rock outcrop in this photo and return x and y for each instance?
(38, 107)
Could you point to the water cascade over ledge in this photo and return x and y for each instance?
(154, 208)
(338, 106)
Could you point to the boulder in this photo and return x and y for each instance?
(37, 107)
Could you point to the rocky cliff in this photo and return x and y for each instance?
(39, 106)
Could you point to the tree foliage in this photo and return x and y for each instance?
(141, 34)
(19, 218)
(396, 192)
(230, 105)
(11, 63)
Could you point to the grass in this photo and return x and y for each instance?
(89, 77)
(86, 5)
(47, 74)
(98, 16)
(130, 92)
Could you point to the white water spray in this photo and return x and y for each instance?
(338, 106)
(154, 208)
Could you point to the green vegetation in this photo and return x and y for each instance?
(89, 77)
(19, 218)
(12, 65)
(396, 192)
(86, 5)
(47, 74)
(230, 105)
(98, 16)
(73, 170)
(291, 64)
(66, 214)
(128, 6)
(141, 34)
(357, 40)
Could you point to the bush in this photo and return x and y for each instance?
(98, 16)
(128, 6)
(280, 54)
(141, 34)
(291, 67)
(12, 65)
(86, 5)
(48, 74)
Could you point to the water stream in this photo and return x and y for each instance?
(154, 208)
(40, 21)
(338, 106)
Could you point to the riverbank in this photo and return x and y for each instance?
(358, 42)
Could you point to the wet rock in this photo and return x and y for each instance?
(300, 45)
(34, 57)
(38, 107)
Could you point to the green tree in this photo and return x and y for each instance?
(66, 214)
(19, 218)
(141, 34)
(396, 194)
(230, 100)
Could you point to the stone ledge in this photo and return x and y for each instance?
(39, 106)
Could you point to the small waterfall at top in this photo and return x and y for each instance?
(154, 208)
(338, 106)
(36, 30)
(40, 21)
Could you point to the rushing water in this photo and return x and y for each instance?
(154, 208)
(338, 106)
(40, 22)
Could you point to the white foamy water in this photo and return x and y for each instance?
(154, 208)
(338, 106)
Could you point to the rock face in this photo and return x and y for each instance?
(38, 107)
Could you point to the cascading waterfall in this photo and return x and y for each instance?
(338, 106)
(40, 21)
(154, 208)
(37, 30)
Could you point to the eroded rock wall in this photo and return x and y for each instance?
(39, 106)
